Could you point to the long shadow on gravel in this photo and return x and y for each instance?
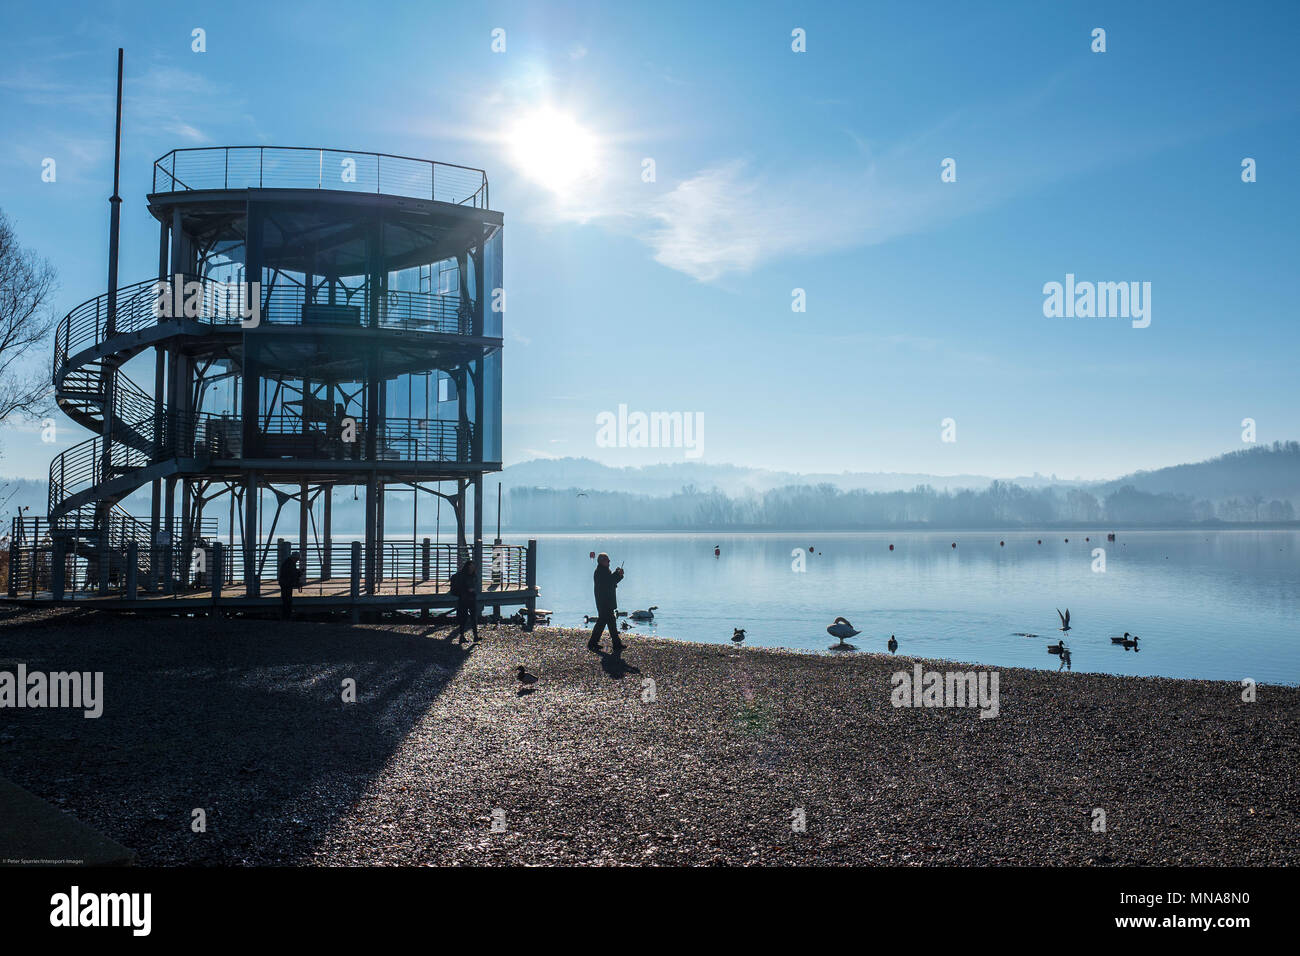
(614, 665)
(244, 720)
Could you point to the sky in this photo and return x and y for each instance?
(774, 170)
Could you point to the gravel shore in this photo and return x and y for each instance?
(673, 753)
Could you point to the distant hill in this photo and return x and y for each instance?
(1270, 471)
(668, 479)
(1256, 485)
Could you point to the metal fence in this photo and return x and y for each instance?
(301, 167)
(172, 568)
(137, 307)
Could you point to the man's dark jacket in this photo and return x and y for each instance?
(606, 587)
(462, 585)
(288, 576)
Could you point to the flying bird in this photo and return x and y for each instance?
(1065, 619)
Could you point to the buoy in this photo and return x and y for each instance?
(1040, 540)
(1067, 540)
(954, 544)
(1086, 540)
(592, 554)
(891, 547)
(1002, 544)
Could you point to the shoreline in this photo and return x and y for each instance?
(244, 719)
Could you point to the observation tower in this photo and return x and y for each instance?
(325, 328)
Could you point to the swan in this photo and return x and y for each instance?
(648, 615)
(842, 629)
(1065, 619)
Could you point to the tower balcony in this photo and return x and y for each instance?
(213, 168)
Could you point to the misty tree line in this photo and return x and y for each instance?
(824, 506)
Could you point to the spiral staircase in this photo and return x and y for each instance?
(144, 441)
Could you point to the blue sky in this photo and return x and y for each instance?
(775, 170)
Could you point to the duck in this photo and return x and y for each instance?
(1124, 640)
(525, 678)
(625, 626)
(1065, 619)
(647, 615)
(1130, 643)
(1058, 648)
(893, 644)
(738, 634)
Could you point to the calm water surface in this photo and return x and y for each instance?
(1216, 605)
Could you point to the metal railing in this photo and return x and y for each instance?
(203, 435)
(402, 566)
(137, 309)
(93, 556)
(302, 167)
(282, 304)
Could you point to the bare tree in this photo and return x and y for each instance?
(27, 284)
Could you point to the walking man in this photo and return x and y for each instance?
(287, 578)
(606, 602)
(464, 584)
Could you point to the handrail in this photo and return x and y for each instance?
(304, 167)
(86, 325)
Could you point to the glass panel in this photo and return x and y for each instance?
(493, 315)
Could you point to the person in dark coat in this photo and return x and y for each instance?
(464, 585)
(606, 582)
(287, 578)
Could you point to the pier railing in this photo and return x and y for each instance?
(132, 568)
(300, 167)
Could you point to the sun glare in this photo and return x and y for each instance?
(553, 149)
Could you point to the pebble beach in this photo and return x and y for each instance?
(669, 753)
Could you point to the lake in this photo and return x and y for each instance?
(1218, 605)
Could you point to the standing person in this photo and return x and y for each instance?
(464, 584)
(287, 578)
(606, 582)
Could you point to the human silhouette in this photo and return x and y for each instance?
(606, 584)
(287, 578)
(464, 584)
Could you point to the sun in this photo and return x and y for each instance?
(553, 149)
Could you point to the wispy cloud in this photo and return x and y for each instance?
(735, 215)
(169, 97)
